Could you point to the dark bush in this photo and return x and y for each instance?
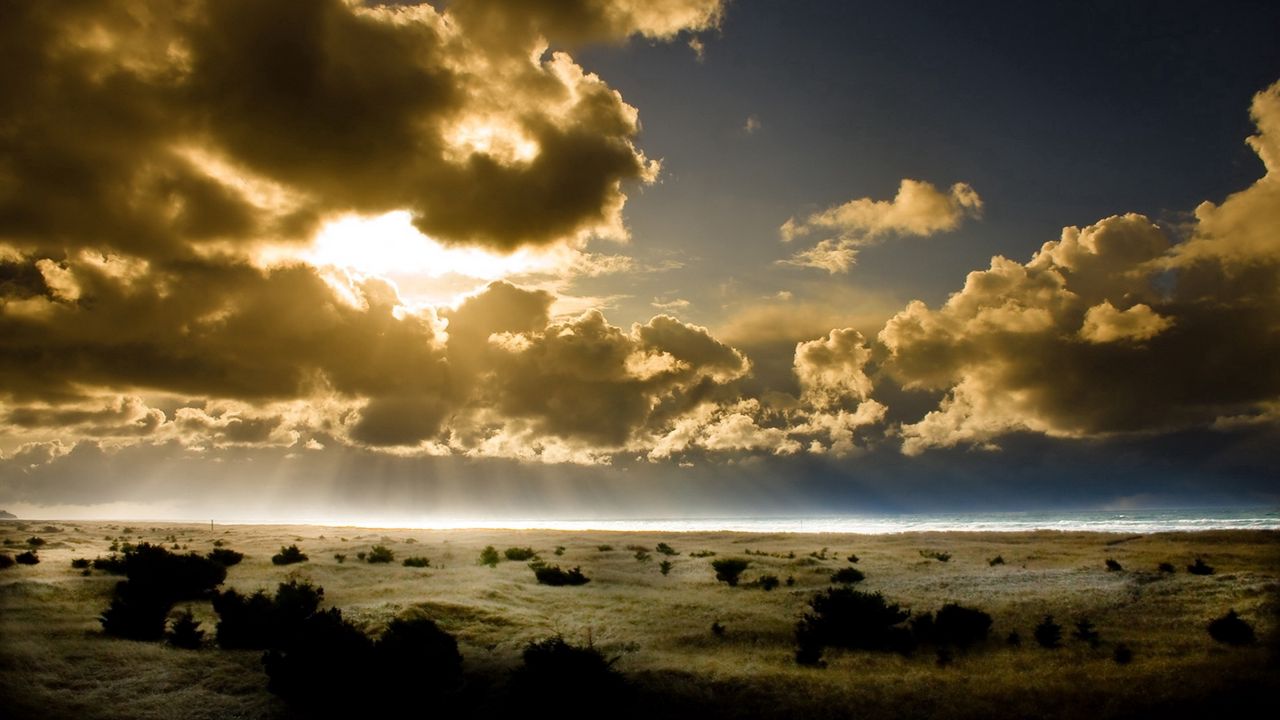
(361, 555)
(1048, 633)
(641, 556)
(559, 550)
(340, 557)
(953, 625)
(380, 554)
(153, 569)
(258, 622)
(288, 556)
(717, 629)
(518, 553)
(35, 542)
(1086, 633)
(1199, 567)
(325, 665)
(664, 567)
(702, 553)
(554, 663)
(553, 575)
(997, 560)
(27, 558)
(489, 556)
(1122, 655)
(665, 549)
(79, 563)
(1013, 639)
(790, 581)
(852, 558)
(113, 564)
(136, 614)
(729, 569)
(417, 561)
(847, 576)
(225, 557)
(768, 582)
(936, 555)
(1166, 567)
(845, 618)
(185, 632)
(6, 561)
(1113, 565)
(1231, 629)
(638, 548)
(604, 548)
(415, 654)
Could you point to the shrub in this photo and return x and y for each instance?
(185, 632)
(666, 549)
(819, 555)
(1013, 639)
(1048, 633)
(847, 576)
(604, 548)
(638, 548)
(225, 557)
(767, 582)
(316, 667)
(1085, 633)
(489, 556)
(27, 558)
(997, 560)
(113, 564)
(414, 653)
(1166, 567)
(1199, 567)
(955, 625)
(553, 663)
(1122, 655)
(1231, 629)
(218, 543)
(340, 557)
(717, 629)
(936, 555)
(553, 575)
(1113, 565)
(361, 555)
(729, 569)
(288, 556)
(6, 561)
(417, 561)
(664, 567)
(380, 554)
(80, 563)
(853, 558)
(35, 542)
(846, 618)
(559, 550)
(702, 554)
(641, 556)
(518, 553)
(258, 622)
(135, 614)
(790, 581)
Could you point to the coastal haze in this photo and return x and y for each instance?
(717, 358)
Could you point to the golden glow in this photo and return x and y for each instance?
(499, 140)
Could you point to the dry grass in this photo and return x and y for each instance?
(55, 662)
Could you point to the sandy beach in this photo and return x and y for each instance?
(55, 660)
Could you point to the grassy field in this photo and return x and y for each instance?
(55, 661)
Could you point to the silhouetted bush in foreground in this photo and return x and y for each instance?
(225, 557)
(258, 622)
(1232, 630)
(953, 625)
(135, 614)
(6, 561)
(552, 664)
(553, 575)
(845, 618)
(326, 663)
(847, 576)
(113, 564)
(288, 556)
(728, 570)
(156, 579)
(80, 563)
(1122, 655)
(415, 654)
(27, 558)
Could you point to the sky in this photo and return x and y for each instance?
(336, 261)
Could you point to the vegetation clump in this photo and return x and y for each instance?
(997, 560)
(80, 563)
(952, 626)
(728, 570)
(259, 621)
(380, 554)
(665, 549)
(1121, 654)
(156, 579)
(489, 556)
(664, 567)
(519, 553)
(1085, 632)
(288, 556)
(554, 576)
(1113, 565)
(6, 561)
(847, 576)
(340, 557)
(225, 557)
(27, 558)
(35, 542)
(767, 582)
(553, 662)
(936, 555)
(185, 632)
(1166, 567)
(604, 548)
(1200, 567)
(1048, 633)
(417, 561)
(1231, 630)
(846, 618)
(702, 553)
(642, 556)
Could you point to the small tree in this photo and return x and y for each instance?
(845, 618)
(1086, 633)
(728, 570)
(1048, 633)
(27, 558)
(664, 567)
(340, 557)
(489, 556)
(288, 556)
(553, 575)
(642, 556)
(185, 632)
(852, 558)
(847, 576)
(380, 554)
(225, 557)
(665, 549)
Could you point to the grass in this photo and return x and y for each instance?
(55, 662)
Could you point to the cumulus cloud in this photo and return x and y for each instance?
(1109, 329)
(918, 209)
